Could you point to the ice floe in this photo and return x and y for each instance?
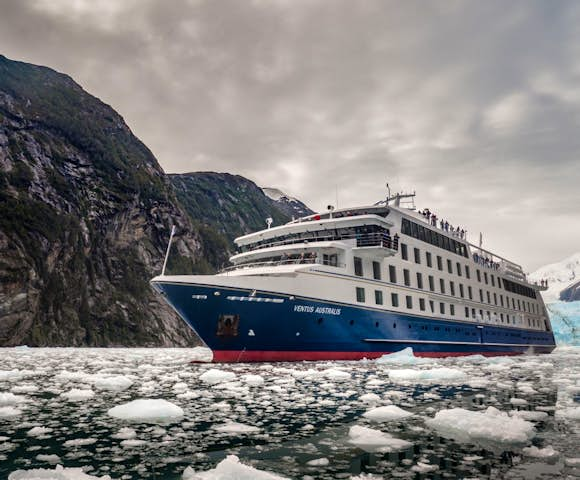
(7, 399)
(9, 412)
(569, 413)
(491, 425)
(234, 428)
(147, 411)
(386, 414)
(78, 395)
(115, 384)
(442, 374)
(230, 469)
(58, 473)
(547, 452)
(372, 440)
(201, 354)
(214, 376)
(402, 357)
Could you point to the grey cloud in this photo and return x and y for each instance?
(473, 104)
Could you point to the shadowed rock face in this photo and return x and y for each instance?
(571, 293)
(85, 215)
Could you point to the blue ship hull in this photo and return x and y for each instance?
(243, 326)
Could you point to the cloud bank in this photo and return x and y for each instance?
(475, 105)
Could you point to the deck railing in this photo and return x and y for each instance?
(362, 240)
(277, 263)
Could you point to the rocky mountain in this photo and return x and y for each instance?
(85, 215)
(231, 204)
(561, 277)
(290, 205)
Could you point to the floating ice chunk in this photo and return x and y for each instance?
(518, 401)
(26, 388)
(59, 473)
(431, 375)
(12, 375)
(114, 384)
(201, 354)
(53, 459)
(423, 467)
(38, 431)
(78, 395)
(489, 426)
(133, 442)
(318, 462)
(180, 387)
(370, 398)
(125, 433)
(11, 399)
(80, 442)
(335, 374)
(188, 395)
(66, 376)
(375, 441)
(386, 414)
(402, 357)
(9, 412)
(234, 428)
(230, 469)
(253, 380)
(536, 452)
(529, 415)
(570, 413)
(214, 376)
(147, 411)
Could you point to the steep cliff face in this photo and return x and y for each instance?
(85, 214)
(231, 204)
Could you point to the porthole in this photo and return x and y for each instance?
(320, 320)
(395, 325)
(351, 322)
(376, 324)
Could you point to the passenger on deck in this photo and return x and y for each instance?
(396, 242)
(446, 226)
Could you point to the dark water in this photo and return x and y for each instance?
(300, 413)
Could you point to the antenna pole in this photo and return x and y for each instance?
(168, 248)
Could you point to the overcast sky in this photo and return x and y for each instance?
(475, 105)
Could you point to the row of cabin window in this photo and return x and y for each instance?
(358, 270)
(520, 305)
(361, 298)
(507, 284)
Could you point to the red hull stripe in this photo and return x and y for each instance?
(232, 356)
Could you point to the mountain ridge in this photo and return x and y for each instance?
(85, 216)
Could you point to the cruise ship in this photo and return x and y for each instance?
(361, 283)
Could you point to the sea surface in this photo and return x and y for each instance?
(462, 418)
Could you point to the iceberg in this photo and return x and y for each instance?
(229, 469)
(147, 411)
(489, 426)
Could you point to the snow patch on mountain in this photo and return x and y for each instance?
(560, 275)
(291, 205)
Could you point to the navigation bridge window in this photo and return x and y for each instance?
(434, 238)
(519, 289)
